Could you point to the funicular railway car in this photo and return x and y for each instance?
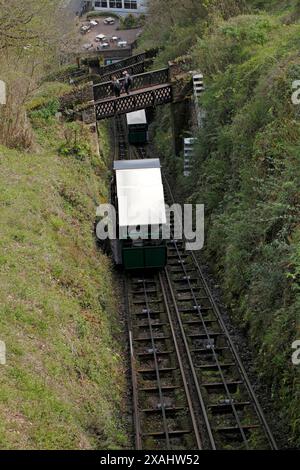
(138, 197)
(137, 127)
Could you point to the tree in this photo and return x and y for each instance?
(32, 37)
(182, 21)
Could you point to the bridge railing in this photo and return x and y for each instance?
(134, 59)
(135, 69)
(127, 103)
(143, 80)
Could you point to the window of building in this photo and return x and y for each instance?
(130, 4)
(126, 4)
(115, 4)
(101, 4)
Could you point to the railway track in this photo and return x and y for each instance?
(230, 410)
(120, 138)
(123, 150)
(164, 417)
(190, 390)
(139, 152)
(189, 387)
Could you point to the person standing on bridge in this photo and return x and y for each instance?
(127, 82)
(116, 86)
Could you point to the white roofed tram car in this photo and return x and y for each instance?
(138, 197)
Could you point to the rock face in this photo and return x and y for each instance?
(89, 115)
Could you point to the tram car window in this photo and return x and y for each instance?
(137, 127)
(138, 197)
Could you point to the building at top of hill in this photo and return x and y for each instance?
(121, 6)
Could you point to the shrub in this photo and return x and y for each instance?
(48, 109)
(76, 143)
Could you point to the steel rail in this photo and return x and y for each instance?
(134, 384)
(191, 364)
(157, 371)
(121, 142)
(185, 383)
(137, 423)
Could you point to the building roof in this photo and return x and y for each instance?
(137, 164)
(140, 193)
(137, 117)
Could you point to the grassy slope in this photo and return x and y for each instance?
(247, 172)
(64, 381)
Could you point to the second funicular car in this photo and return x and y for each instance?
(137, 127)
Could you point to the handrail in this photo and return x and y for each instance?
(134, 69)
(128, 61)
(155, 77)
(161, 94)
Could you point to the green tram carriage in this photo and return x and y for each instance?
(138, 197)
(137, 127)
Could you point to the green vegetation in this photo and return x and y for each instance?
(132, 22)
(32, 35)
(247, 171)
(47, 97)
(248, 159)
(63, 385)
(64, 382)
(104, 14)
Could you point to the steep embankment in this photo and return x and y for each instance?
(247, 173)
(63, 382)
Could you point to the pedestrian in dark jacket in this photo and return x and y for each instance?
(127, 82)
(116, 86)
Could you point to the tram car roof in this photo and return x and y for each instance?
(140, 193)
(137, 117)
